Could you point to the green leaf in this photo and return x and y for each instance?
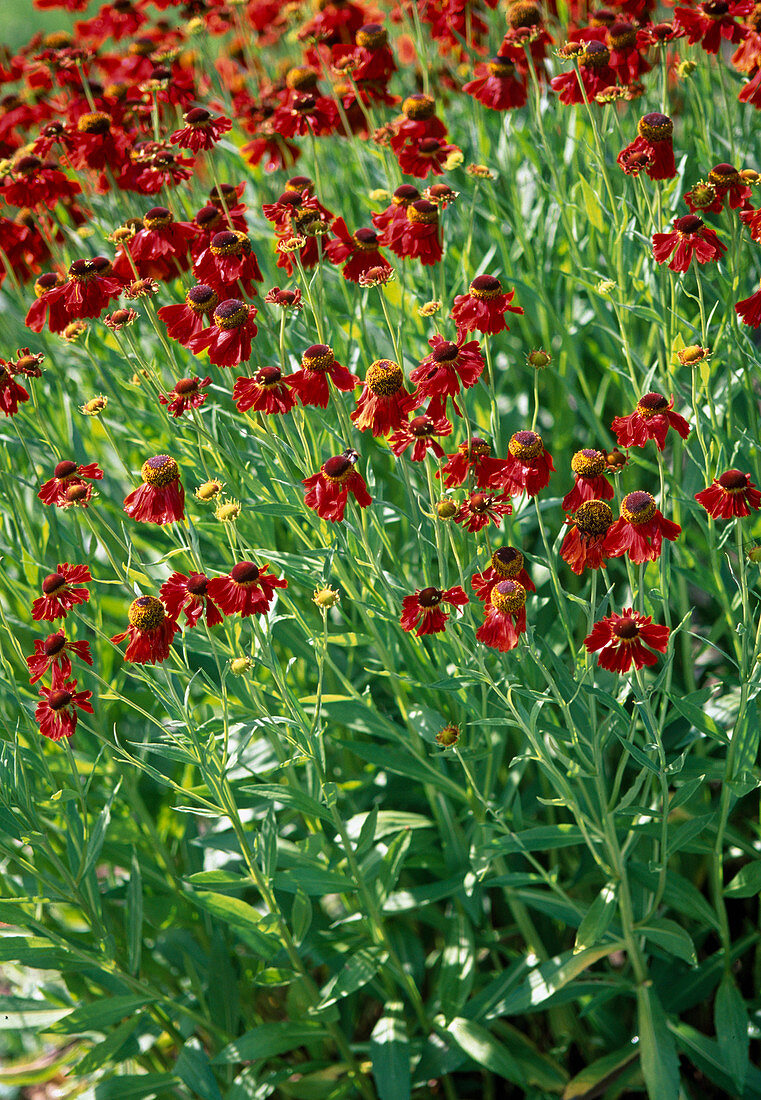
(98, 835)
(360, 969)
(457, 965)
(390, 1054)
(301, 916)
(486, 1051)
(100, 1015)
(731, 1023)
(134, 916)
(193, 1067)
(672, 938)
(288, 796)
(746, 883)
(136, 1088)
(592, 205)
(658, 1056)
(404, 763)
(595, 1079)
(541, 839)
(244, 918)
(545, 980)
(269, 1040)
(698, 717)
(105, 1052)
(706, 1054)
(597, 918)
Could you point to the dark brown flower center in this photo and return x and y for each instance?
(724, 175)
(507, 561)
(429, 146)
(158, 218)
(197, 116)
(52, 583)
(201, 298)
(422, 212)
(366, 240)
(65, 469)
(197, 584)
(77, 492)
(734, 481)
(232, 313)
(227, 243)
(421, 426)
(405, 194)
(595, 55)
(593, 518)
(186, 386)
(655, 127)
(445, 353)
(652, 404)
(245, 573)
(54, 644)
(337, 468)
(429, 597)
(689, 224)
(59, 699)
(526, 446)
(268, 376)
(485, 287)
(97, 122)
(318, 357)
(372, 36)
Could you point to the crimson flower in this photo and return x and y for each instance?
(476, 459)
(654, 140)
(189, 594)
(384, 402)
(57, 715)
(626, 639)
(185, 395)
(285, 299)
(392, 222)
(483, 308)
(228, 338)
(150, 632)
(527, 467)
(713, 20)
(439, 375)
(328, 490)
(730, 184)
(54, 653)
(589, 484)
(246, 589)
(420, 238)
(419, 433)
(650, 420)
(267, 392)
(504, 616)
(594, 70)
(161, 497)
(68, 485)
(229, 265)
(689, 237)
(358, 252)
(496, 86)
(418, 120)
(480, 509)
(311, 382)
(730, 494)
(584, 544)
(640, 529)
(201, 131)
(86, 293)
(420, 158)
(59, 593)
(749, 309)
(11, 393)
(423, 610)
(506, 564)
(160, 250)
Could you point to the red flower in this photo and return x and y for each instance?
(731, 494)
(311, 382)
(160, 250)
(729, 184)
(418, 120)
(306, 114)
(419, 432)
(504, 616)
(589, 484)
(650, 420)
(640, 530)
(150, 632)
(622, 640)
(713, 20)
(33, 183)
(246, 589)
(584, 544)
(749, 309)
(229, 265)
(496, 86)
(87, 291)
(424, 156)
(11, 393)
(392, 222)
(384, 402)
(328, 490)
(483, 308)
(54, 653)
(185, 395)
(57, 715)
(423, 610)
(479, 509)
(267, 392)
(285, 299)
(420, 238)
(596, 74)
(527, 466)
(689, 237)
(187, 320)
(161, 497)
(68, 485)
(358, 252)
(201, 131)
(229, 337)
(475, 459)
(655, 141)
(439, 375)
(59, 594)
(189, 594)
(506, 564)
